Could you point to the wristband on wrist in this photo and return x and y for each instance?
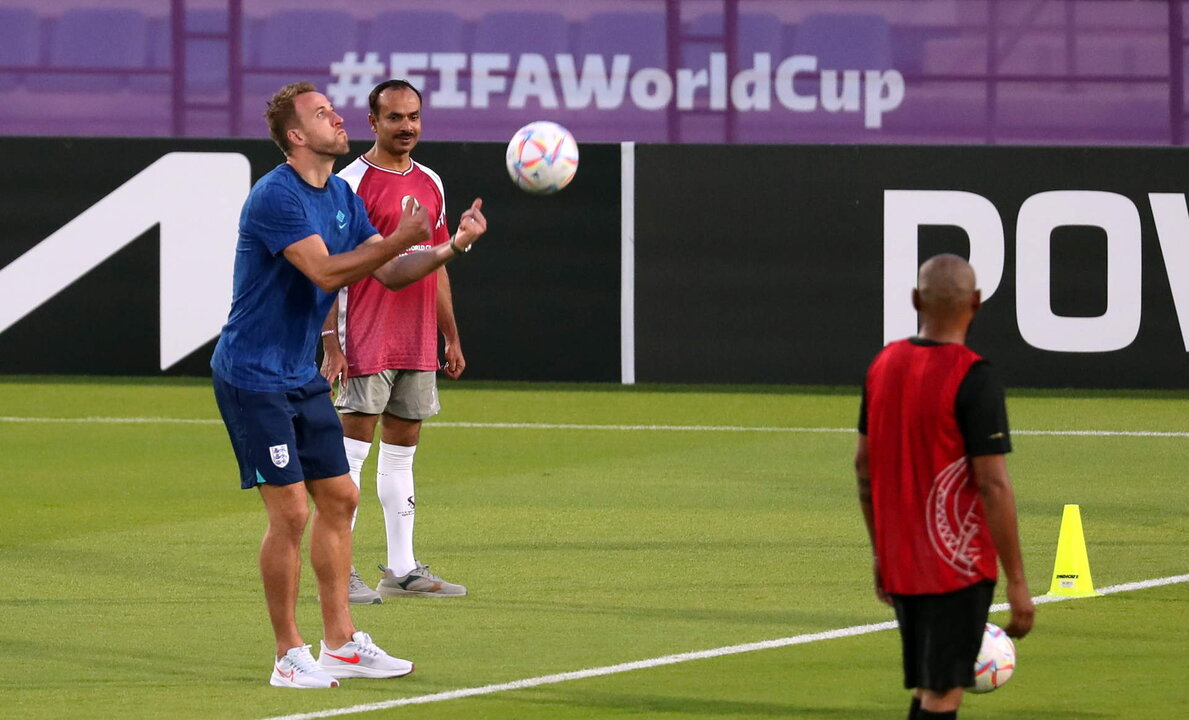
(457, 250)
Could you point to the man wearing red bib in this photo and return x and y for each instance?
(383, 345)
(935, 493)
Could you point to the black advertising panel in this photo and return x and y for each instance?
(771, 264)
(774, 264)
(100, 313)
(118, 253)
(538, 298)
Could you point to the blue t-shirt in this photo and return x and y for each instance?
(270, 338)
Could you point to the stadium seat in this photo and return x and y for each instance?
(546, 33)
(298, 45)
(756, 33)
(97, 39)
(641, 35)
(414, 31)
(206, 60)
(839, 41)
(845, 40)
(18, 42)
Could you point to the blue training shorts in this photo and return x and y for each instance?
(284, 437)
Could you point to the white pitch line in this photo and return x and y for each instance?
(778, 429)
(678, 658)
(1102, 433)
(590, 426)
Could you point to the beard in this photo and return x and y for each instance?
(333, 147)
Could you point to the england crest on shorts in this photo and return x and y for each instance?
(280, 455)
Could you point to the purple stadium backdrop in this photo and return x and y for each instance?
(1103, 72)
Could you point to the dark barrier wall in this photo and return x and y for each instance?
(753, 264)
(537, 299)
(761, 265)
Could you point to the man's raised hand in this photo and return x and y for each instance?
(413, 228)
(471, 225)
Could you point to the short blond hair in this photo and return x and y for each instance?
(282, 110)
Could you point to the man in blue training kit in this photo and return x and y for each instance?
(303, 234)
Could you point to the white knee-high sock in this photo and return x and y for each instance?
(357, 452)
(394, 485)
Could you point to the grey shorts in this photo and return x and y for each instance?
(406, 394)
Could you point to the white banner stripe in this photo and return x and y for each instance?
(590, 426)
(674, 659)
(627, 263)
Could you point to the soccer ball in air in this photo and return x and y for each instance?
(542, 157)
(996, 660)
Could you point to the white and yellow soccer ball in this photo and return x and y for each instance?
(542, 157)
(996, 660)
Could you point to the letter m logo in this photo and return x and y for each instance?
(196, 199)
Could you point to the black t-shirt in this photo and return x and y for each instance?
(980, 408)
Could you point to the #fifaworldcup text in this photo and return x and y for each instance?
(794, 84)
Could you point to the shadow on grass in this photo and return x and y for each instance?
(676, 706)
(791, 620)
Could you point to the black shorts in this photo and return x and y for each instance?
(284, 437)
(941, 635)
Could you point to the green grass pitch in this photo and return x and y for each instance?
(130, 588)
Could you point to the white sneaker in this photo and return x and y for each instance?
(361, 657)
(298, 670)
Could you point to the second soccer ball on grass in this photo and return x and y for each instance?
(996, 660)
(542, 157)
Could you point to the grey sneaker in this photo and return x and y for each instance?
(419, 581)
(359, 593)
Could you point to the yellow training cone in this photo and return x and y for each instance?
(1071, 571)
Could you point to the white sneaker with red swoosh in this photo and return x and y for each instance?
(297, 669)
(361, 658)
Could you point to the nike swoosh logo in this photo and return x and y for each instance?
(287, 676)
(342, 226)
(353, 659)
